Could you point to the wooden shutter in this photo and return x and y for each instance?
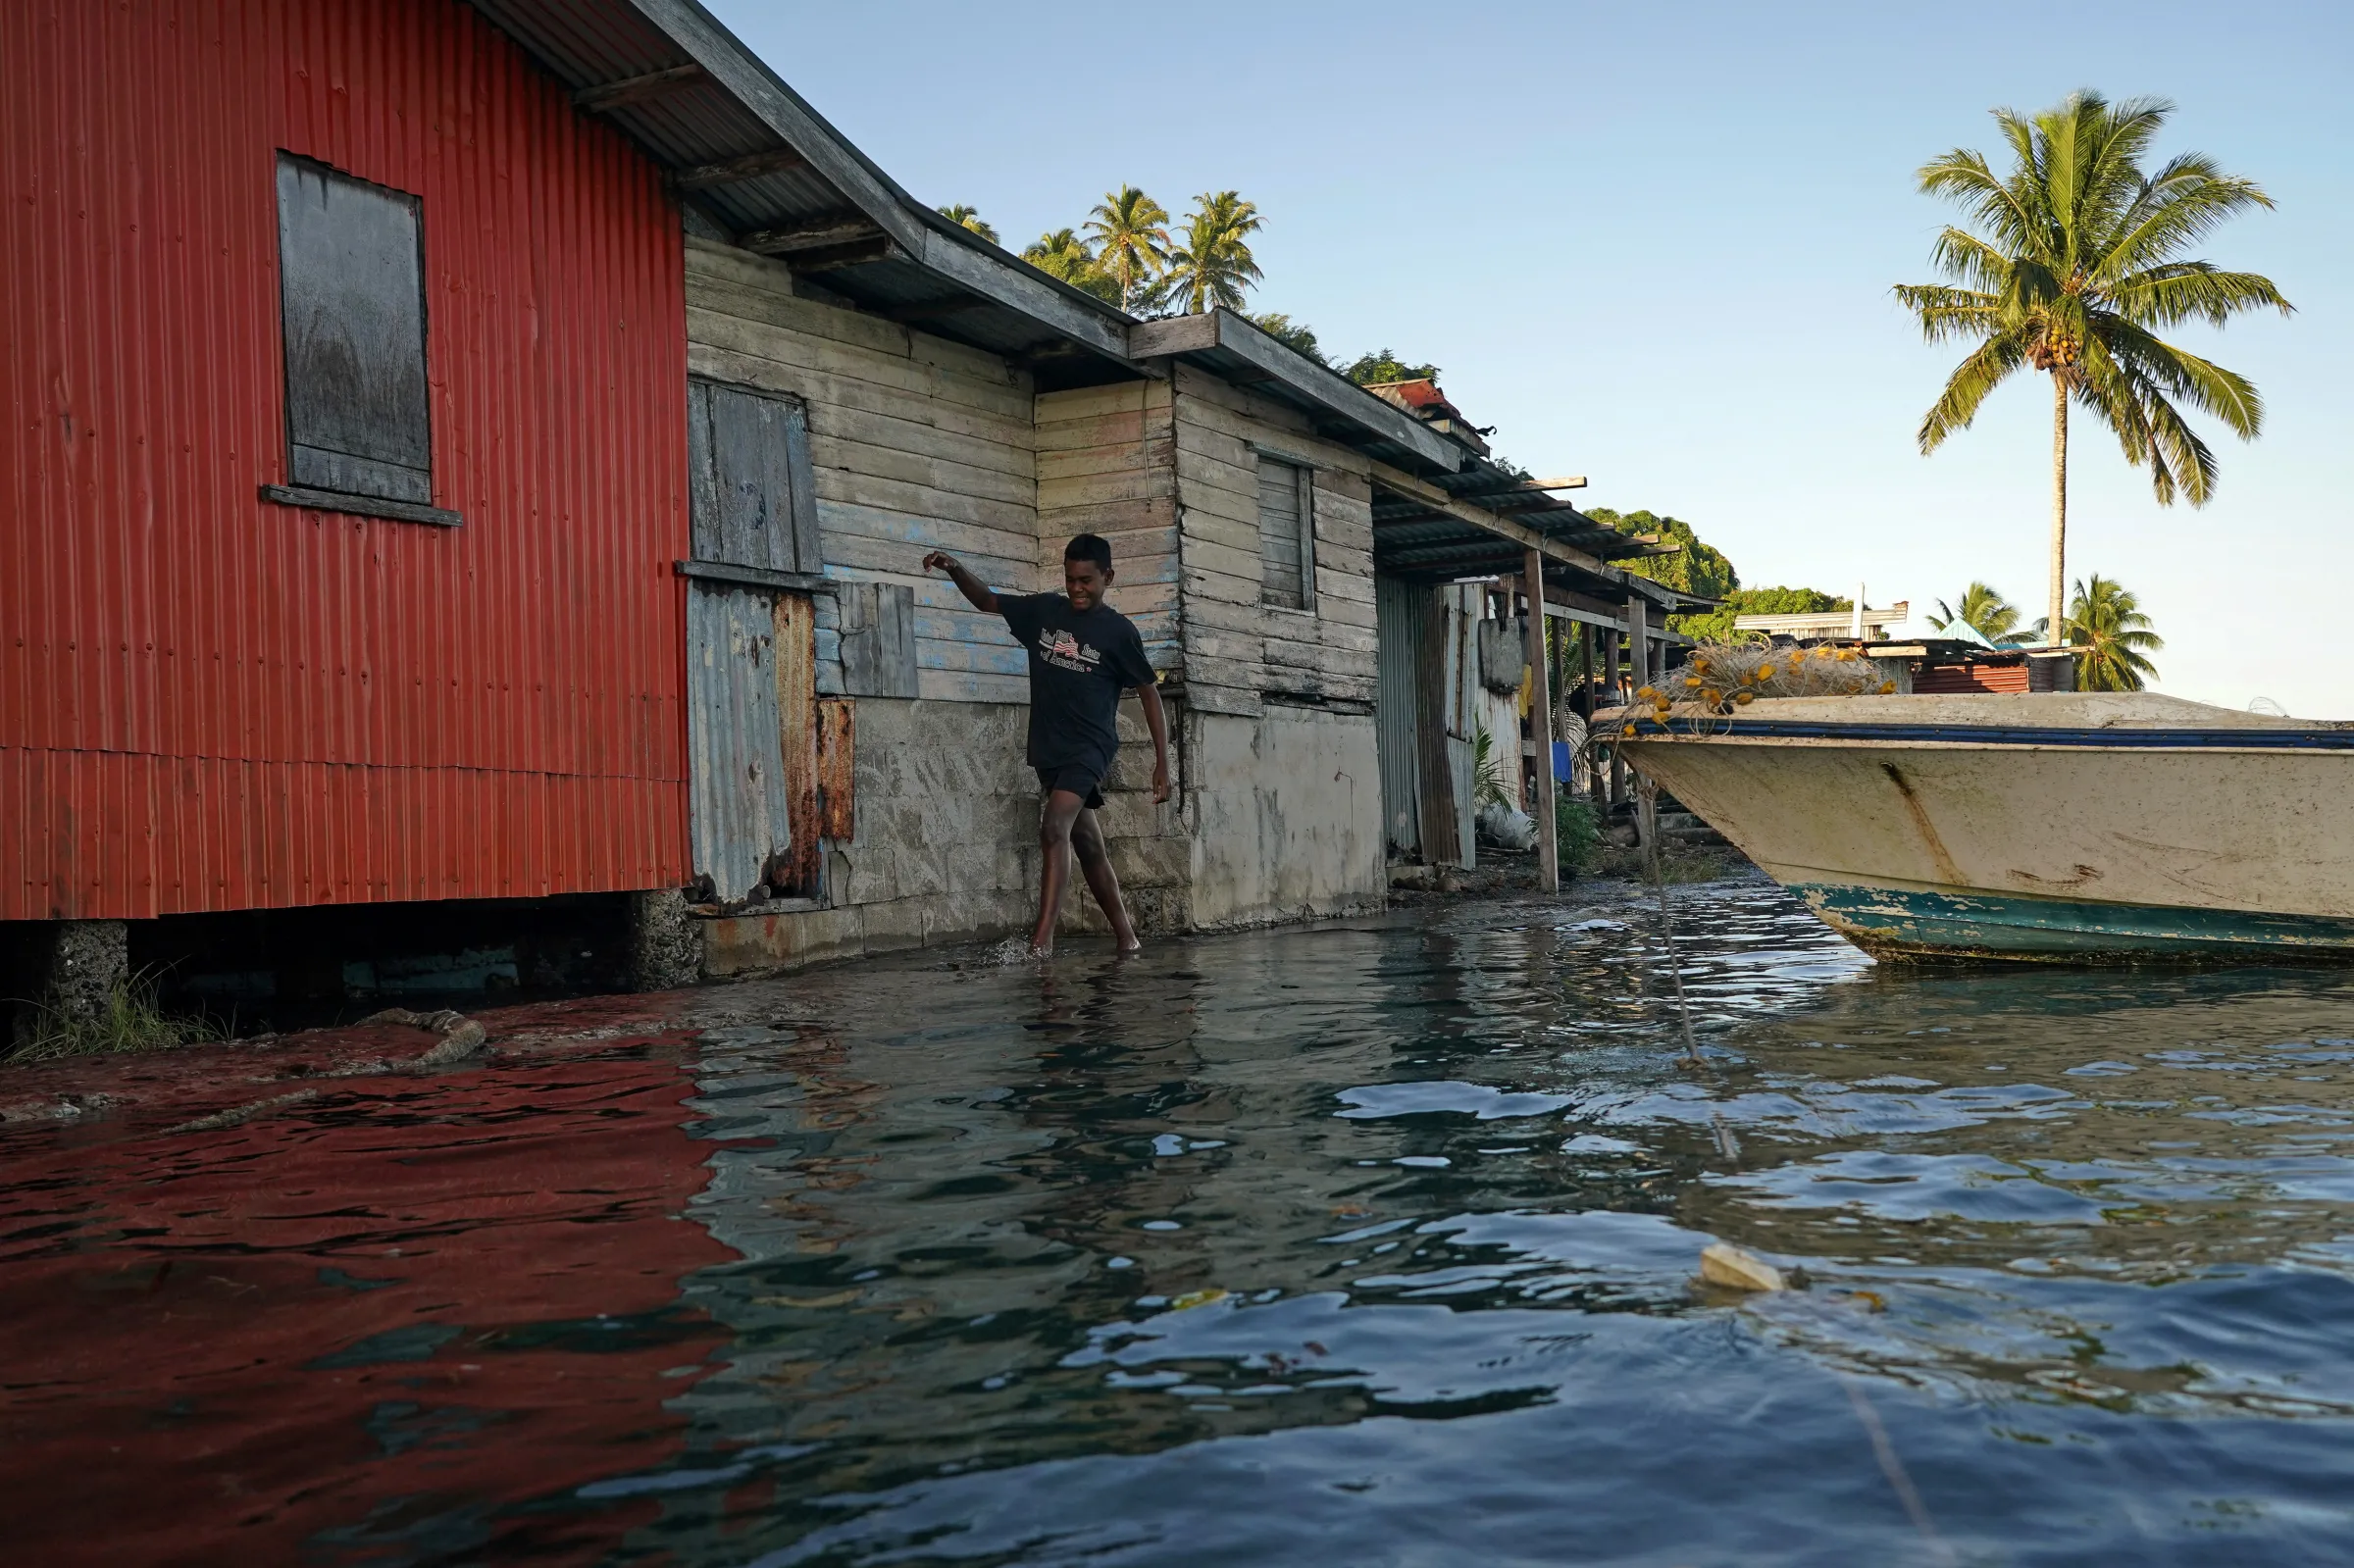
(351, 289)
(878, 639)
(1286, 555)
(754, 500)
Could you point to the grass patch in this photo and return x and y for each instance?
(132, 1022)
(1577, 829)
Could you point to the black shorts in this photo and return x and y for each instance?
(1079, 780)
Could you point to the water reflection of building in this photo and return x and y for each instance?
(435, 1308)
(941, 1220)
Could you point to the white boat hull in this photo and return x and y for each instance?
(2053, 826)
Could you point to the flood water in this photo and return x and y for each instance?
(1367, 1245)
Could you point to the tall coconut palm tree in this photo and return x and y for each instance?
(1983, 610)
(1062, 254)
(966, 218)
(2073, 263)
(2107, 622)
(1212, 264)
(1130, 235)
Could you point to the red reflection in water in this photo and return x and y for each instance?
(358, 1332)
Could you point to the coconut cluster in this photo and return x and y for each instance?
(1720, 678)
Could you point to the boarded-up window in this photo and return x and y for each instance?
(351, 286)
(755, 497)
(1287, 552)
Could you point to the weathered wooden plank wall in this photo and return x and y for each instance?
(1105, 466)
(1237, 651)
(916, 444)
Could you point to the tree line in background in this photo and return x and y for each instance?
(1130, 253)
(2104, 619)
(2081, 255)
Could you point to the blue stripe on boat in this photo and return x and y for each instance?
(2003, 925)
(1988, 734)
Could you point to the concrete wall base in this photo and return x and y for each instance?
(69, 967)
(1286, 812)
(665, 946)
(88, 959)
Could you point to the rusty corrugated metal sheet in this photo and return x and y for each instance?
(207, 701)
(837, 769)
(1964, 677)
(741, 819)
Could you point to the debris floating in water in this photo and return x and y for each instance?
(1721, 1263)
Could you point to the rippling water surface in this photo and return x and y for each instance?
(1372, 1244)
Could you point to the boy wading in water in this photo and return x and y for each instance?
(1082, 653)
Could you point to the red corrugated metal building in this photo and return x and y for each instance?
(210, 701)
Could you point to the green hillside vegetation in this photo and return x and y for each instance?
(1699, 569)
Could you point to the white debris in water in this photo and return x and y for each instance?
(1721, 1263)
(1012, 951)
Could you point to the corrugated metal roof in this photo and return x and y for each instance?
(674, 80)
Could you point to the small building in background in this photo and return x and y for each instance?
(1860, 623)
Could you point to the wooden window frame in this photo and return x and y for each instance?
(326, 498)
(1305, 471)
(806, 535)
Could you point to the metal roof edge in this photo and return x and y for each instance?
(1320, 385)
(708, 42)
(947, 249)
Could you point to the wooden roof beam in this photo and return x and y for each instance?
(727, 171)
(608, 95)
(1479, 517)
(816, 234)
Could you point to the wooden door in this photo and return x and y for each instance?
(750, 685)
(740, 822)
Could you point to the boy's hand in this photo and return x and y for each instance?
(941, 561)
(1160, 783)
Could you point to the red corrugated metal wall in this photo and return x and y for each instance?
(207, 701)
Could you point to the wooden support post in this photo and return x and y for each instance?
(1540, 729)
(1441, 833)
(1611, 697)
(1646, 822)
(1638, 648)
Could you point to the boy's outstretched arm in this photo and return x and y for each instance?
(1158, 723)
(976, 592)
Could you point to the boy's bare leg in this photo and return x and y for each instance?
(1095, 862)
(1054, 843)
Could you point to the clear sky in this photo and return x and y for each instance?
(1653, 244)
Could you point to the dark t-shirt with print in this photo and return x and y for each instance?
(1080, 662)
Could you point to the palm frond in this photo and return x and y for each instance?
(1961, 177)
(2183, 202)
(1967, 386)
(2173, 292)
(1963, 256)
(2207, 386)
(1949, 313)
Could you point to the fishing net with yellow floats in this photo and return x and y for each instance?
(1720, 679)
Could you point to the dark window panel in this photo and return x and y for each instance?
(1285, 557)
(351, 272)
